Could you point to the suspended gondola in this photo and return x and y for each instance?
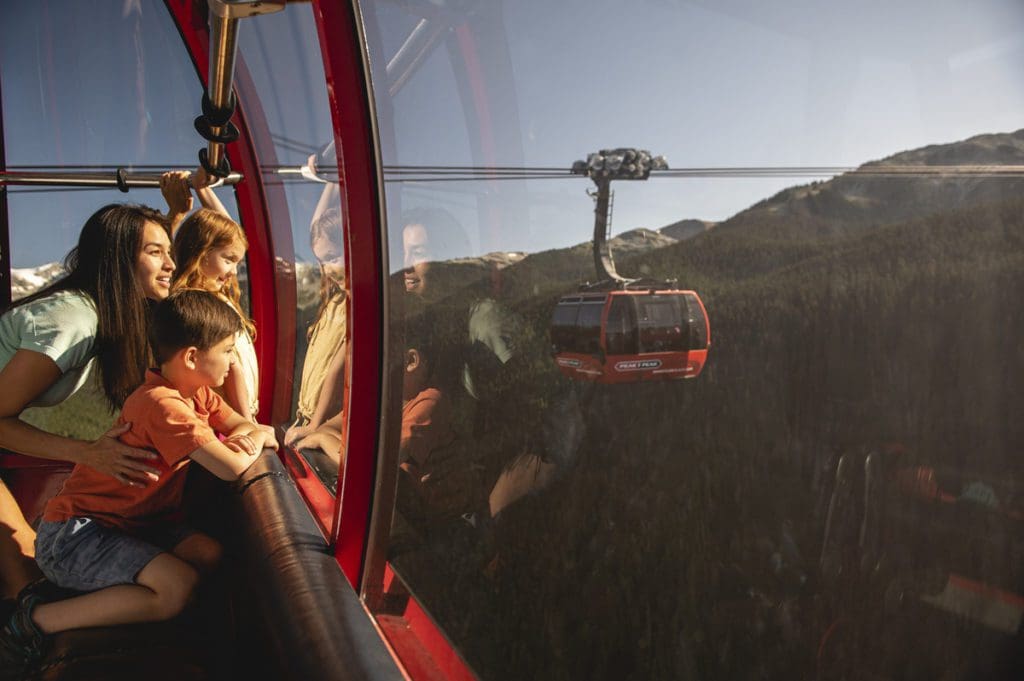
(630, 335)
(626, 330)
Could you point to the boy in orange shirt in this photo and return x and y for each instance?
(126, 545)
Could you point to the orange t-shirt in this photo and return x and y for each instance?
(426, 426)
(163, 421)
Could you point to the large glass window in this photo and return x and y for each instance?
(844, 194)
(620, 335)
(280, 56)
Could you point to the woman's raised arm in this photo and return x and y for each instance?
(25, 377)
(175, 189)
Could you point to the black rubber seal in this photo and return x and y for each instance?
(122, 180)
(222, 170)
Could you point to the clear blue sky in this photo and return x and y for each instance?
(706, 83)
(730, 83)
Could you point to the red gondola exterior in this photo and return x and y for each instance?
(630, 336)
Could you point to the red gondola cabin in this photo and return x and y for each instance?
(628, 336)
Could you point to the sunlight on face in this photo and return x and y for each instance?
(154, 266)
(220, 265)
(416, 252)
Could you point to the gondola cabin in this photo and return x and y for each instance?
(629, 336)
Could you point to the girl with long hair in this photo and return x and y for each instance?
(96, 314)
(323, 368)
(208, 247)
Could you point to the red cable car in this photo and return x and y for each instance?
(628, 336)
(626, 330)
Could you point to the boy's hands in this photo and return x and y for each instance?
(270, 436)
(253, 441)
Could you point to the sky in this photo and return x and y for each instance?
(703, 82)
(729, 84)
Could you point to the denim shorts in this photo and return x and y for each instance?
(81, 554)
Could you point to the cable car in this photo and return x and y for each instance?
(628, 336)
(621, 330)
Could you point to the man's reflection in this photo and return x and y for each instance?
(429, 235)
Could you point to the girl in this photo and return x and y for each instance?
(207, 248)
(323, 368)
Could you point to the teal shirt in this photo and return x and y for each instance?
(61, 326)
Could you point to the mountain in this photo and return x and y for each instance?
(852, 200)
(778, 231)
(686, 229)
(27, 280)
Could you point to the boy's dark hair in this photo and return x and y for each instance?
(190, 317)
(422, 335)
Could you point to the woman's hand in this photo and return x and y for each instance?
(111, 456)
(201, 178)
(175, 187)
(314, 440)
(325, 439)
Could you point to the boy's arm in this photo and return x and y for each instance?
(245, 436)
(222, 461)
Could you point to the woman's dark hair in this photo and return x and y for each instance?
(423, 333)
(102, 266)
(447, 238)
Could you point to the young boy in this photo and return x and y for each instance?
(438, 478)
(126, 545)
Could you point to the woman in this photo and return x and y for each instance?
(49, 341)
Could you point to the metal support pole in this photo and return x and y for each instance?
(223, 46)
(603, 263)
(119, 179)
(219, 102)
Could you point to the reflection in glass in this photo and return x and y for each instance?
(318, 421)
(837, 494)
(286, 69)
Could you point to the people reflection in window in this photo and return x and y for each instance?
(436, 482)
(429, 235)
(513, 451)
(324, 364)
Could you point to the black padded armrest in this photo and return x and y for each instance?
(315, 620)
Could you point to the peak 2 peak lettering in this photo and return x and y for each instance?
(637, 364)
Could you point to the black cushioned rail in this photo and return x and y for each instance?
(315, 621)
